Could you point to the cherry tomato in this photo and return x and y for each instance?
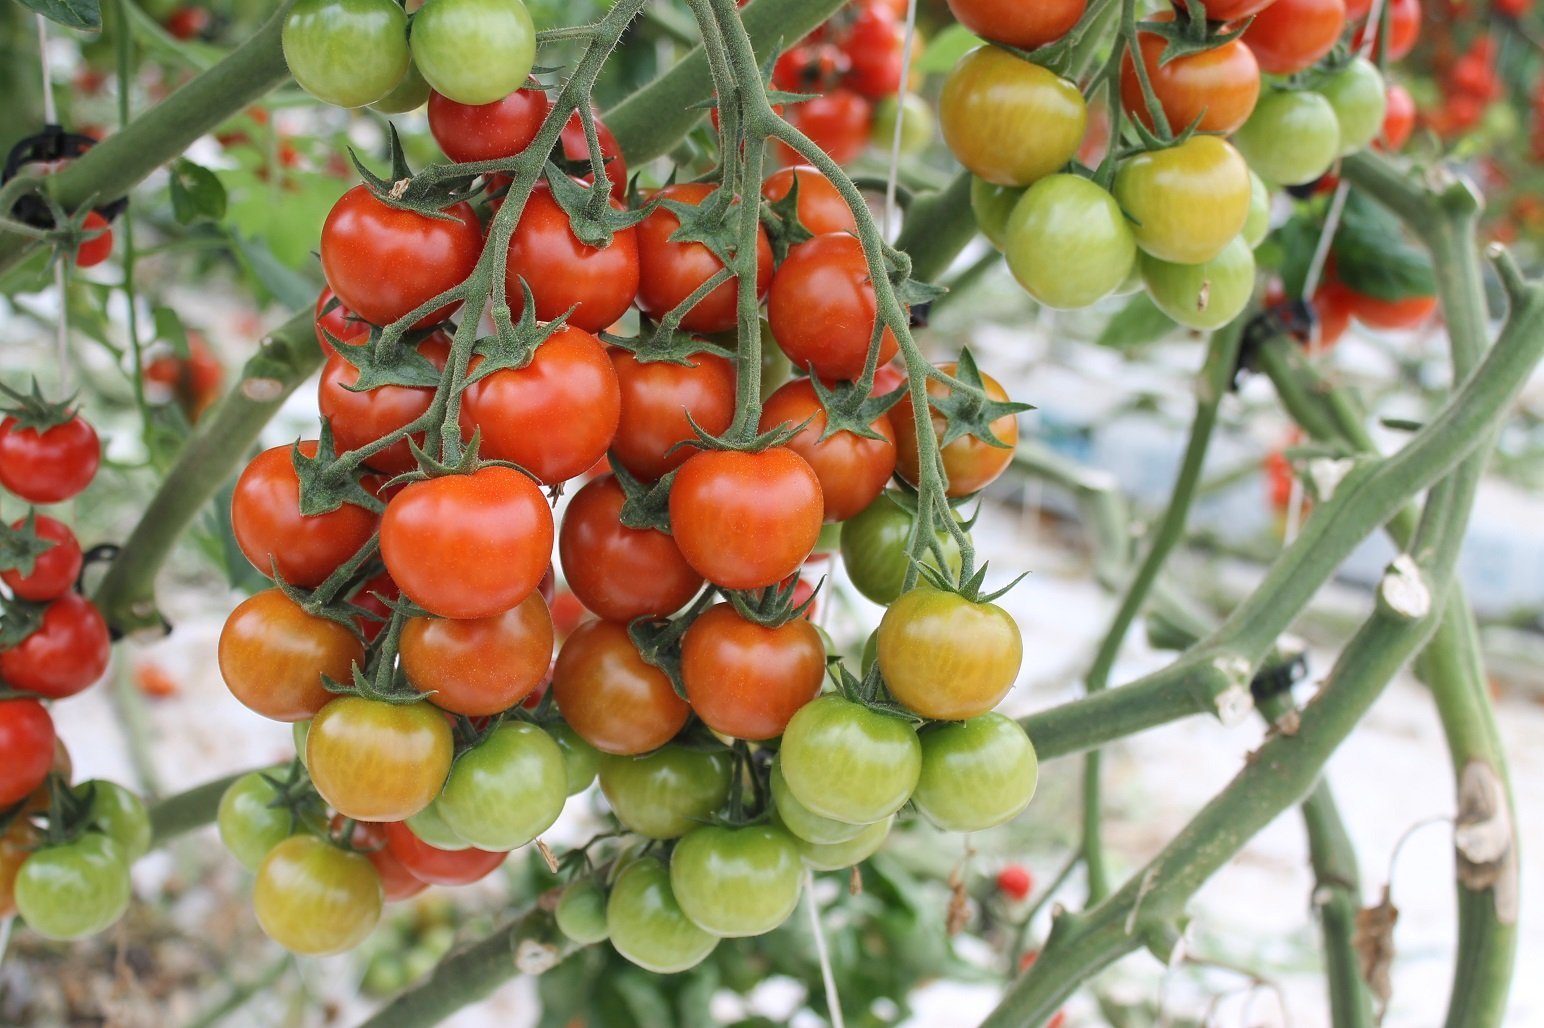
(273, 656)
(976, 774)
(1404, 313)
(378, 761)
(486, 132)
(848, 762)
(1258, 224)
(669, 272)
(1332, 304)
(428, 826)
(1186, 202)
(313, 898)
(302, 549)
(839, 122)
(479, 666)
(439, 866)
(667, 793)
(397, 882)
(27, 740)
(1203, 296)
(945, 657)
(71, 891)
(347, 53)
(1360, 99)
(1404, 30)
(620, 573)
(852, 469)
(468, 546)
(48, 466)
(581, 912)
(802, 822)
(822, 308)
(360, 418)
(53, 571)
(992, 205)
(474, 51)
(563, 272)
(657, 397)
(250, 822)
(17, 842)
(820, 206)
(1232, 10)
(970, 463)
(1218, 86)
(1014, 881)
(1291, 138)
(332, 318)
(581, 761)
(506, 790)
(97, 249)
(118, 814)
(736, 882)
(1025, 26)
(745, 680)
(835, 856)
(917, 123)
(874, 544)
(1398, 119)
(1009, 121)
(194, 381)
(607, 693)
(1291, 35)
(646, 924)
(875, 48)
(67, 652)
(408, 95)
(577, 148)
(1068, 243)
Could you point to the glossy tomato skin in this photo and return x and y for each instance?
(556, 416)
(1024, 25)
(250, 826)
(1405, 313)
(348, 53)
(1291, 35)
(820, 206)
(53, 571)
(97, 249)
(397, 882)
(669, 272)
(383, 262)
(746, 680)
(1218, 86)
(852, 469)
(620, 573)
(27, 740)
(1068, 244)
(736, 882)
(118, 814)
(970, 463)
(822, 308)
(1203, 296)
(746, 520)
(439, 866)
(1291, 138)
(581, 761)
(334, 319)
(474, 51)
(577, 148)
(945, 657)
(360, 418)
(838, 121)
(563, 272)
(1009, 121)
(480, 666)
(1398, 119)
(873, 545)
(992, 204)
(273, 656)
(607, 693)
(17, 842)
(67, 652)
(303, 549)
(657, 396)
(486, 132)
(468, 546)
(844, 761)
(802, 822)
(1187, 201)
(1404, 30)
(506, 790)
(378, 761)
(74, 890)
(1359, 96)
(976, 774)
(581, 912)
(313, 898)
(667, 793)
(646, 924)
(48, 466)
(834, 856)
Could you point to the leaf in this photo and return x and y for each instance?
(197, 193)
(1138, 323)
(1373, 256)
(169, 330)
(947, 48)
(75, 14)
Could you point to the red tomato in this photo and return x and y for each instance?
(53, 571)
(1218, 86)
(746, 520)
(1014, 881)
(563, 272)
(337, 320)
(266, 520)
(620, 573)
(745, 680)
(669, 272)
(194, 381)
(436, 866)
(838, 122)
(822, 308)
(813, 67)
(486, 132)
(875, 48)
(1024, 25)
(94, 251)
(479, 666)
(1232, 10)
(27, 740)
(66, 653)
(576, 148)
(970, 463)
(368, 597)
(608, 694)
(360, 418)
(1404, 30)
(384, 262)
(48, 466)
(657, 396)
(820, 206)
(273, 656)
(188, 22)
(556, 416)
(1408, 312)
(1291, 35)
(852, 469)
(369, 838)
(1398, 119)
(1332, 309)
(468, 546)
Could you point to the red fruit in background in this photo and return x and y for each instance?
(811, 68)
(1022, 23)
(1398, 119)
(838, 122)
(1407, 312)
(1404, 29)
(577, 148)
(187, 23)
(92, 252)
(1290, 35)
(54, 570)
(48, 466)
(875, 49)
(1015, 882)
(193, 381)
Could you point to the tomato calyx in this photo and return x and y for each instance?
(18, 620)
(869, 691)
(513, 346)
(427, 194)
(851, 408)
(383, 362)
(326, 483)
(591, 217)
(663, 343)
(21, 547)
(967, 409)
(1186, 33)
(33, 412)
(970, 583)
(707, 222)
(646, 505)
(781, 218)
(658, 640)
(773, 607)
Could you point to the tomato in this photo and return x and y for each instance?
(1291, 35)
(273, 656)
(875, 49)
(834, 856)
(1068, 243)
(1359, 96)
(408, 95)
(1332, 304)
(581, 761)
(378, 761)
(347, 53)
(563, 272)
(17, 842)
(804, 823)
(1218, 86)
(428, 826)
(746, 520)
(360, 418)
(669, 272)
(992, 205)
(745, 680)
(53, 571)
(646, 924)
(332, 318)
(1232, 10)
(848, 762)
(439, 866)
(917, 123)
(1398, 119)
(657, 397)
(1404, 313)
(48, 466)
(1203, 296)
(301, 549)
(839, 122)
(822, 308)
(1258, 224)
(479, 666)
(874, 543)
(576, 147)
(667, 793)
(1404, 30)
(383, 262)
(736, 882)
(71, 891)
(313, 898)
(945, 657)
(970, 463)
(581, 912)
(118, 814)
(67, 652)
(250, 824)
(1014, 881)
(618, 572)
(397, 882)
(1186, 202)
(506, 790)
(485, 132)
(194, 381)
(976, 774)
(1291, 138)
(98, 248)
(1025, 26)
(820, 206)
(1009, 121)
(27, 740)
(474, 51)
(852, 469)
(468, 546)
(607, 693)
(556, 416)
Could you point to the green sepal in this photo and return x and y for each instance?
(591, 217)
(18, 620)
(707, 223)
(405, 192)
(781, 218)
(967, 588)
(21, 547)
(850, 408)
(1191, 33)
(380, 365)
(32, 411)
(323, 490)
(644, 505)
(659, 644)
(654, 345)
(773, 606)
(970, 411)
(512, 348)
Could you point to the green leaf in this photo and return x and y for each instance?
(75, 14)
(1138, 323)
(947, 48)
(197, 193)
(169, 330)
(1374, 257)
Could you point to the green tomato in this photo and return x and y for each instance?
(1291, 138)
(1258, 225)
(874, 549)
(1185, 202)
(976, 774)
(430, 827)
(74, 890)
(917, 123)
(314, 898)
(647, 925)
(991, 205)
(581, 912)
(1068, 242)
(474, 51)
(581, 761)
(119, 814)
(348, 53)
(506, 790)
(870, 652)
(1203, 296)
(736, 882)
(850, 763)
(666, 793)
(834, 856)
(805, 823)
(250, 825)
(409, 95)
(1360, 98)
(300, 731)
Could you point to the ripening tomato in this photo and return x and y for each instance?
(1217, 86)
(74, 890)
(746, 520)
(378, 761)
(1186, 202)
(1068, 244)
(273, 656)
(849, 762)
(576, 147)
(1404, 30)
(347, 53)
(1404, 313)
(1024, 25)
(736, 882)
(852, 469)
(556, 416)
(313, 898)
(669, 272)
(193, 381)
(607, 693)
(334, 319)
(468, 546)
(599, 283)
(481, 666)
(646, 924)
(1009, 121)
(875, 48)
(302, 549)
(474, 51)
(1398, 119)
(439, 866)
(17, 843)
(874, 543)
(970, 463)
(253, 819)
(27, 740)
(53, 571)
(1258, 223)
(48, 466)
(1360, 99)
(65, 654)
(1291, 35)
(976, 774)
(581, 761)
(618, 572)
(1291, 138)
(360, 418)
(822, 308)
(507, 789)
(97, 249)
(657, 397)
(945, 657)
(820, 205)
(839, 122)
(487, 132)
(746, 680)
(1203, 296)
(408, 95)
(667, 793)
(384, 262)
(1332, 303)
(397, 882)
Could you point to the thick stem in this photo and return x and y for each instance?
(186, 811)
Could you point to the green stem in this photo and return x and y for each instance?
(186, 811)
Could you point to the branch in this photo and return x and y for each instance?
(186, 811)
